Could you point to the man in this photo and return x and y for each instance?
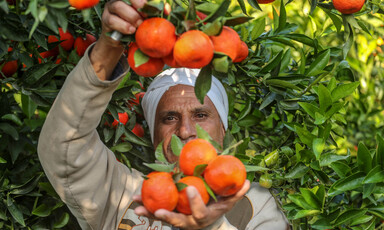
(104, 194)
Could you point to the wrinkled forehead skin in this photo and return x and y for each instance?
(181, 76)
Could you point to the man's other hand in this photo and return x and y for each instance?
(202, 215)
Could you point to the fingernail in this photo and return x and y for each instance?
(159, 213)
(132, 30)
(191, 192)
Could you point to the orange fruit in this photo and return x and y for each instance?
(149, 69)
(193, 49)
(170, 61)
(156, 37)
(83, 4)
(123, 118)
(242, 52)
(9, 68)
(159, 192)
(225, 175)
(82, 44)
(66, 38)
(228, 42)
(195, 152)
(138, 130)
(348, 6)
(183, 203)
(264, 1)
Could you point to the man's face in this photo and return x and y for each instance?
(178, 112)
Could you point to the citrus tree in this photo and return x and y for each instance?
(302, 102)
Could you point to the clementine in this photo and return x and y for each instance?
(138, 130)
(193, 49)
(82, 44)
(149, 69)
(9, 68)
(225, 175)
(83, 4)
(196, 152)
(123, 118)
(242, 52)
(228, 42)
(66, 38)
(183, 203)
(170, 61)
(159, 192)
(348, 6)
(156, 37)
(264, 1)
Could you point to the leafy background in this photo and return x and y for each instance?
(307, 104)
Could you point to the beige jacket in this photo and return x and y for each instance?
(97, 188)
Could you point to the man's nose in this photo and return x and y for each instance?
(186, 130)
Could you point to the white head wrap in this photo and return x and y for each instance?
(181, 76)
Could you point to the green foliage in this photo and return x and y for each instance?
(310, 91)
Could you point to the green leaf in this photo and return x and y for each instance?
(258, 28)
(27, 187)
(220, 11)
(237, 20)
(255, 168)
(344, 90)
(319, 64)
(364, 158)
(203, 83)
(305, 136)
(309, 108)
(282, 17)
(122, 147)
(140, 58)
(10, 130)
(210, 192)
(273, 63)
(319, 119)
(131, 137)
(374, 176)
(361, 220)
(347, 184)
(297, 171)
(254, 4)
(379, 155)
(213, 28)
(159, 154)
(40, 74)
(305, 213)
(282, 84)
(221, 64)
(199, 169)
(161, 167)
(335, 19)
(368, 189)
(327, 159)
(349, 215)
(267, 100)
(12, 117)
(301, 38)
(64, 219)
(42, 211)
(180, 186)
(325, 99)
(318, 147)
(340, 168)
(311, 198)
(176, 145)
(15, 211)
(299, 200)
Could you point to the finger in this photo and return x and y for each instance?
(138, 4)
(177, 220)
(113, 22)
(142, 211)
(125, 12)
(137, 198)
(198, 208)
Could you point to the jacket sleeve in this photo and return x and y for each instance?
(83, 171)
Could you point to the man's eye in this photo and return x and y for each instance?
(169, 118)
(201, 115)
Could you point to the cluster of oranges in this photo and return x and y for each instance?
(223, 174)
(67, 42)
(123, 118)
(156, 40)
